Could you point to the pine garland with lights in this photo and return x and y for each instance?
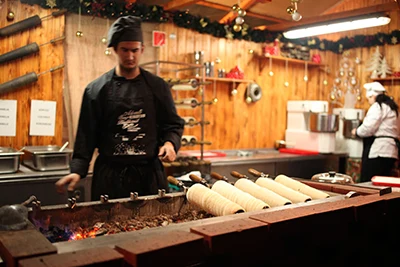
(113, 9)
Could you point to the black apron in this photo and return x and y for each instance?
(369, 168)
(128, 151)
(367, 143)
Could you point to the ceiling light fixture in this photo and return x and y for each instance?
(292, 10)
(338, 26)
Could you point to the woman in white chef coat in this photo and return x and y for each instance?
(380, 133)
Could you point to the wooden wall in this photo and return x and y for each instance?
(48, 87)
(233, 122)
(236, 124)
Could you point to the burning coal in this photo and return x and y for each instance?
(67, 233)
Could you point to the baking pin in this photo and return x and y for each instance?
(238, 175)
(220, 177)
(28, 23)
(24, 80)
(256, 173)
(198, 179)
(25, 50)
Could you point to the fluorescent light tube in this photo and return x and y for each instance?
(336, 27)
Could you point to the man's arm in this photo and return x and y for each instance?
(86, 137)
(170, 123)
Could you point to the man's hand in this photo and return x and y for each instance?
(71, 179)
(353, 132)
(167, 152)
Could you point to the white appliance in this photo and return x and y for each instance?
(351, 146)
(297, 132)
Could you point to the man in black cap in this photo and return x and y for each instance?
(130, 116)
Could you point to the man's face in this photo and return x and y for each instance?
(129, 53)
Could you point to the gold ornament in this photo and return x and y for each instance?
(237, 28)
(107, 52)
(394, 40)
(79, 34)
(10, 15)
(217, 60)
(215, 100)
(235, 7)
(248, 100)
(203, 23)
(241, 12)
(239, 20)
(325, 82)
(290, 10)
(251, 51)
(271, 73)
(286, 84)
(51, 3)
(104, 40)
(332, 96)
(234, 92)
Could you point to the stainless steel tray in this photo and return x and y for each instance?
(9, 160)
(47, 158)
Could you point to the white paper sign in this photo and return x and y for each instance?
(8, 117)
(43, 118)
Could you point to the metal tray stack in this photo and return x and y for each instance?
(9, 160)
(47, 158)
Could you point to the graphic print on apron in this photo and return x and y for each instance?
(129, 121)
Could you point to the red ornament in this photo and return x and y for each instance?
(316, 58)
(396, 74)
(235, 73)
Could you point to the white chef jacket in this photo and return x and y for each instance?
(381, 122)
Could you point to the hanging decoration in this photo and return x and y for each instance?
(374, 63)
(152, 13)
(79, 32)
(10, 15)
(346, 83)
(286, 83)
(292, 10)
(384, 68)
(51, 3)
(239, 20)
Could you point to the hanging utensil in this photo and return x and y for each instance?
(26, 79)
(27, 23)
(25, 50)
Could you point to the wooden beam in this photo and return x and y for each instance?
(249, 14)
(334, 16)
(398, 3)
(179, 4)
(245, 4)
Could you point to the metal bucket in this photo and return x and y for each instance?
(322, 122)
(349, 125)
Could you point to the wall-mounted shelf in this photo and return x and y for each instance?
(228, 80)
(263, 60)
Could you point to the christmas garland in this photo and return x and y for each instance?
(113, 9)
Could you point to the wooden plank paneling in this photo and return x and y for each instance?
(48, 87)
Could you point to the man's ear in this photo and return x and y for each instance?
(142, 48)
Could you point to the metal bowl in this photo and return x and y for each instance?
(322, 122)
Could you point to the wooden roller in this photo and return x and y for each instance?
(238, 175)
(300, 187)
(198, 179)
(245, 200)
(175, 181)
(287, 192)
(266, 195)
(256, 173)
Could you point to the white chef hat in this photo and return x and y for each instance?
(374, 89)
